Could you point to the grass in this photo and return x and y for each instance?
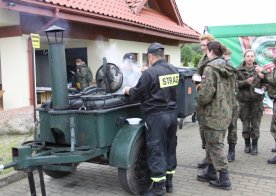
(6, 144)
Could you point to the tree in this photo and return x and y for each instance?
(191, 54)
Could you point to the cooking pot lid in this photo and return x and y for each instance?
(109, 77)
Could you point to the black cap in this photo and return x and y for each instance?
(154, 47)
(130, 56)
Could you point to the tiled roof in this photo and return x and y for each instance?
(133, 4)
(124, 10)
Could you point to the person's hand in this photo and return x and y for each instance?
(263, 88)
(127, 90)
(259, 69)
(249, 80)
(198, 86)
(72, 72)
(261, 75)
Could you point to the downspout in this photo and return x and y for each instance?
(31, 63)
(31, 73)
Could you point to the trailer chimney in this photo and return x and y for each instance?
(57, 64)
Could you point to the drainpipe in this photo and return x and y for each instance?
(30, 58)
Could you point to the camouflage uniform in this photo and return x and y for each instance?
(215, 96)
(251, 103)
(199, 110)
(270, 78)
(81, 76)
(232, 129)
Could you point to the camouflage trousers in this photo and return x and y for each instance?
(273, 121)
(251, 114)
(199, 113)
(215, 147)
(232, 129)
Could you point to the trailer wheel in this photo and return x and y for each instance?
(135, 179)
(56, 174)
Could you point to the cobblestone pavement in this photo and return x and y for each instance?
(250, 175)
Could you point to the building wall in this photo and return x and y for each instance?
(15, 72)
(9, 18)
(114, 51)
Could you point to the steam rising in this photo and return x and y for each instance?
(130, 69)
(131, 74)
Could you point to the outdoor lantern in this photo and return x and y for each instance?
(57, 32)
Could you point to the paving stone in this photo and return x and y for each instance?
(250, 175)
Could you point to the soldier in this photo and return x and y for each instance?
(250, 96)
(84, 75)
(232, 129)
(204, 39)
(215, 96)
(270, 78)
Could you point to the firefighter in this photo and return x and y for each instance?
(156, 89)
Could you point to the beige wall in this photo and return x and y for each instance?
(9, 18)
(15, 72)
(114, 51)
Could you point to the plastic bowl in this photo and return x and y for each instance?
(133, 121)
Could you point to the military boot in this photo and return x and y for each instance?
(254, 150)
(274, 149)
(247, 148)
(223, 182)
(231, 152)
(203, 163)
(272, 161)
(209, 173)
(169, 186)
(157, 189)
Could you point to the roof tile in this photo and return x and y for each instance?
(124, 9)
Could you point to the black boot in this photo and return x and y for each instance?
(247, 148)
(254, 150)
(274, 149)
(209, 173)
(223, 182)
(158, 188)
(203, 163)
(169, 186)
(231, 152)
(272, 161)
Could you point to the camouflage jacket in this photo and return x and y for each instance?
(245, 91)
(202, 64)
(270, 78)
(215, 94)
(235, 101)
(81, 75)
(200, 69)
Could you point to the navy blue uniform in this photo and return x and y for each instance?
(156, 89)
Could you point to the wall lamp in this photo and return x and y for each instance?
(11, 4)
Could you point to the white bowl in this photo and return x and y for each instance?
(133, 121)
